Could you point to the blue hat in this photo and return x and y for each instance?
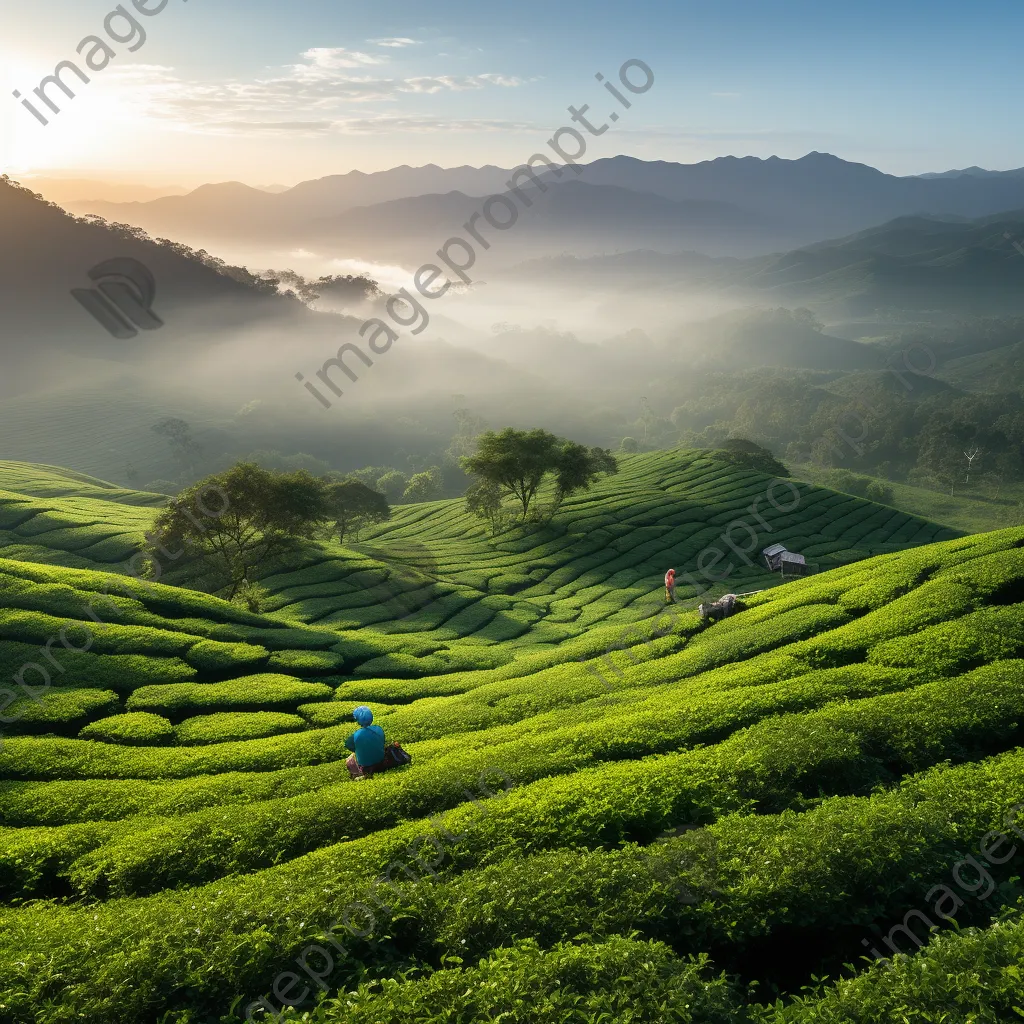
(363, 715)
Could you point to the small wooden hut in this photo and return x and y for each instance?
(792, 563)
(772, 555)
(779, 559)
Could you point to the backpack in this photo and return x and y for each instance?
(399, 756)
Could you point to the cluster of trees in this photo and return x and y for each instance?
(410, 476)
(200, 256)
(870, 424)
(862, 486)
(749, 455)
(243, 521)
(399, 487)
(344, 289)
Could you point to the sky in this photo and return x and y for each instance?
(275, 93)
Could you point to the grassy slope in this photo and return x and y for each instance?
(769, 731)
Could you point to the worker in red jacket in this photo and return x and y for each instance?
(670, 586)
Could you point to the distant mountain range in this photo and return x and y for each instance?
(976, 172)
(729, 206)
(948, 266)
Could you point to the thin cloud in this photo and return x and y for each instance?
(386, 124)
(324, 60)
(275, 127)
(310, 96)
(456, 83)
(397, 43)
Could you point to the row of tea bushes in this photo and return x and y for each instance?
(843, 748)
(253, 693)
(971, 976)
(861, 859)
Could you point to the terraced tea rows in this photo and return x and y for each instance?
(180, 840)
(433, 573)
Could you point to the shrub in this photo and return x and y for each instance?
(214, 656)
(229, 726)
(880, 492)
(617, 980)
(133, 729)
(60, 710)
(771, 766)
(121, 673)
(305, 663)
(247, 693)
(749, 455)
(253, 596)
(76, 759)
(336, 713)
(970, 975)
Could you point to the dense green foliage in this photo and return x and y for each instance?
(137, 728)
(613, 812)
(352, 505)
(515, 462)
(228, 726)
(241, 519)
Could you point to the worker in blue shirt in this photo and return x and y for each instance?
(366, 744)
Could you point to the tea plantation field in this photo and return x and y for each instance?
(613, 813)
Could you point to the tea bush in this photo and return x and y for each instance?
(62, 710)
(134, 729)
(231, 725)
(245, 693)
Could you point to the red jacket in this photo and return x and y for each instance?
(670, 578)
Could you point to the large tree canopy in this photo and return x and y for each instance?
(353, 505)
(516, 462)
(242, 518)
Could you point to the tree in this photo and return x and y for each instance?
(880, 492)
(515, 462)
(425, 486)
(352, 505)
(392, 484)
(184, 447)
(941, 459)
(368, 475)
(629, 445)
(242, 519)
(577, 467)
(483, 499)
